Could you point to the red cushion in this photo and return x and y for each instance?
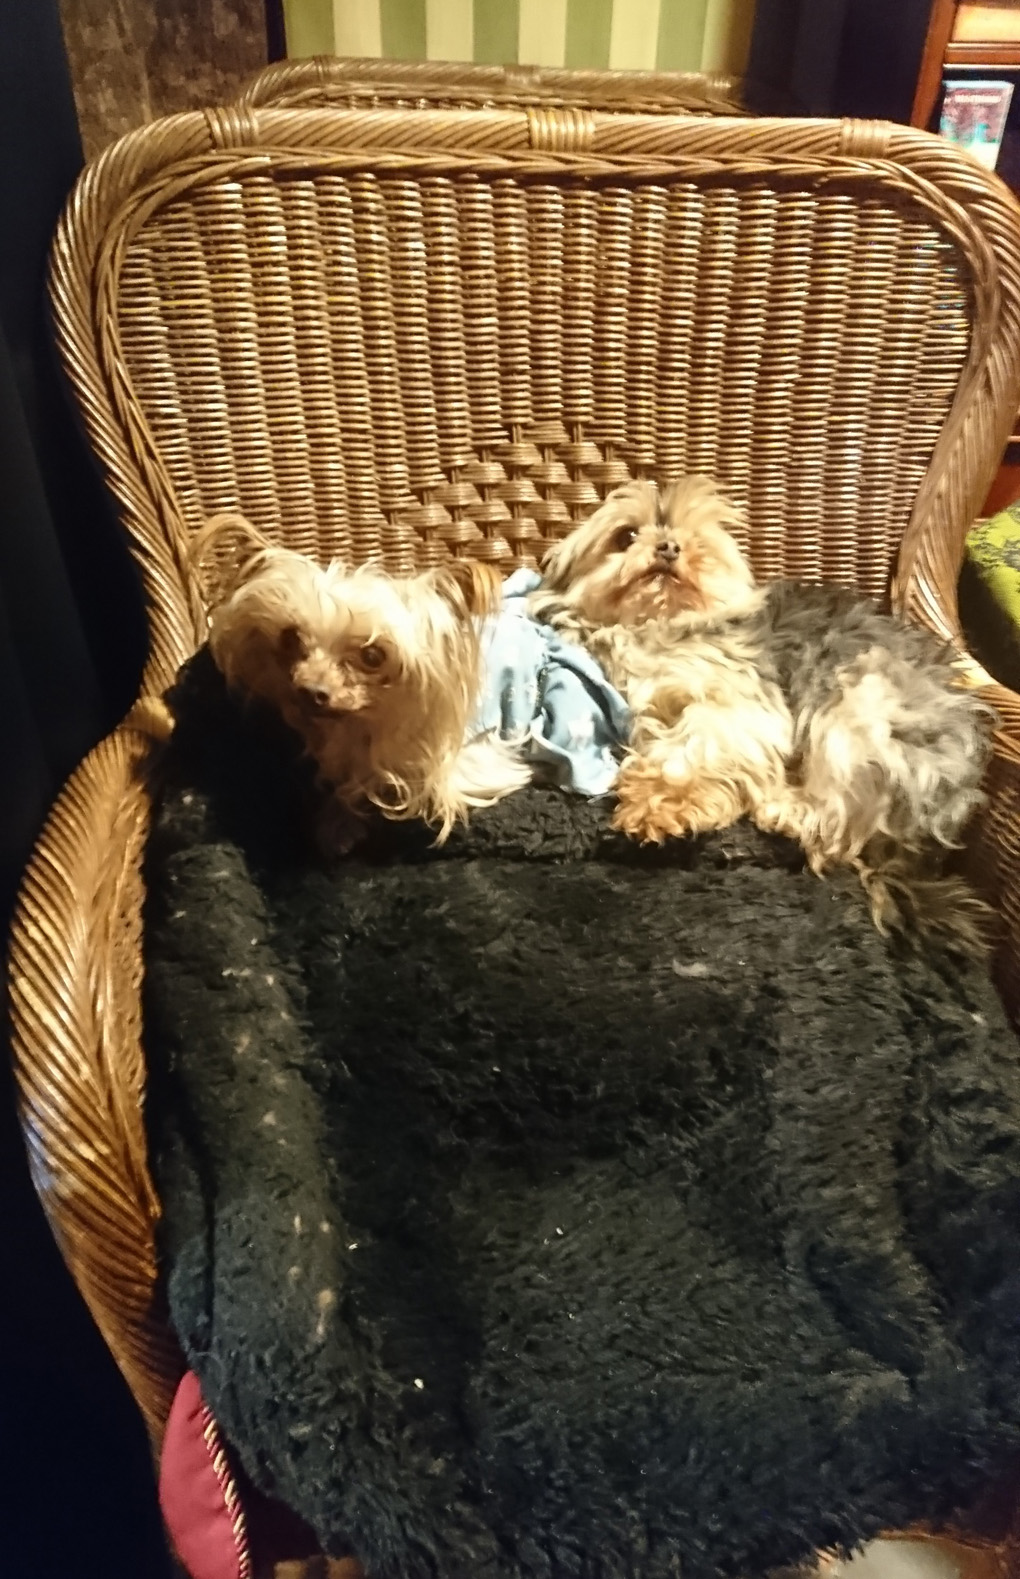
(198, 1493)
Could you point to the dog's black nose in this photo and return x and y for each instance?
(317, 696)
(667, 550)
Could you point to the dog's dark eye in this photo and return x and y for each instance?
(624, 537)
(291, 644)
(372, 657)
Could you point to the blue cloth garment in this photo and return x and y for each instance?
(549, 696)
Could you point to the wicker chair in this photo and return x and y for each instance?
(361, 83)
(399, 335)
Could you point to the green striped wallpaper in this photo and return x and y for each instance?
(670, 35)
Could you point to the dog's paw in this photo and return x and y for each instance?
(663, 818)
(338, 829)
(638, 823)
(652, 808)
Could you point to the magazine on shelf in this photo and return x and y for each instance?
(974, 117)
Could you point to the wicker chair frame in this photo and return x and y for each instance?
(360, 83)
(395, 335)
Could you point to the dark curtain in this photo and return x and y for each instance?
(836, 57)
(77, 1487)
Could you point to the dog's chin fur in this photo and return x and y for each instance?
(379, 675)
(801, 707)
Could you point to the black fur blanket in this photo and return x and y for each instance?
(542, 1206)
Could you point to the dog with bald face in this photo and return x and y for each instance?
(379, 675)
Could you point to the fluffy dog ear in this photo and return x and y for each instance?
(470, 588)
(223, 554)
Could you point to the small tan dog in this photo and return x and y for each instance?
(799, 706)
(379, 675)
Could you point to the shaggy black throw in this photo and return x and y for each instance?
(543, 1206)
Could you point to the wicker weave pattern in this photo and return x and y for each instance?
(395, 353)
(482, 410)
(354, 83)
(75, 980)
(392, 335)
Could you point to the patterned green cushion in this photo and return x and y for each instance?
(994, 549)
(990, 594)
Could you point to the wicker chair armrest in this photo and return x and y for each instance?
(993, 851)
(993, 847)
(75, 992)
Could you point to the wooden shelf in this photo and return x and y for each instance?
(985, 24)
(974, 37)
(952, 41)
(991, 55)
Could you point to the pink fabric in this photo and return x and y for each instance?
(197, 1492)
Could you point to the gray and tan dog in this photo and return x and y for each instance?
(801, 707)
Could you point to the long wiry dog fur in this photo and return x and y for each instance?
(801, 707)
(378, 674)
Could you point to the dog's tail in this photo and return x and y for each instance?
(921, 906)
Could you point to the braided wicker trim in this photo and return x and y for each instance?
(228, 1486)
(75, 982)
(346, 83)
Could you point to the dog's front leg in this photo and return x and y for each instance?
(715, 765)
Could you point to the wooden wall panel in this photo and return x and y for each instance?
(983, 24)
